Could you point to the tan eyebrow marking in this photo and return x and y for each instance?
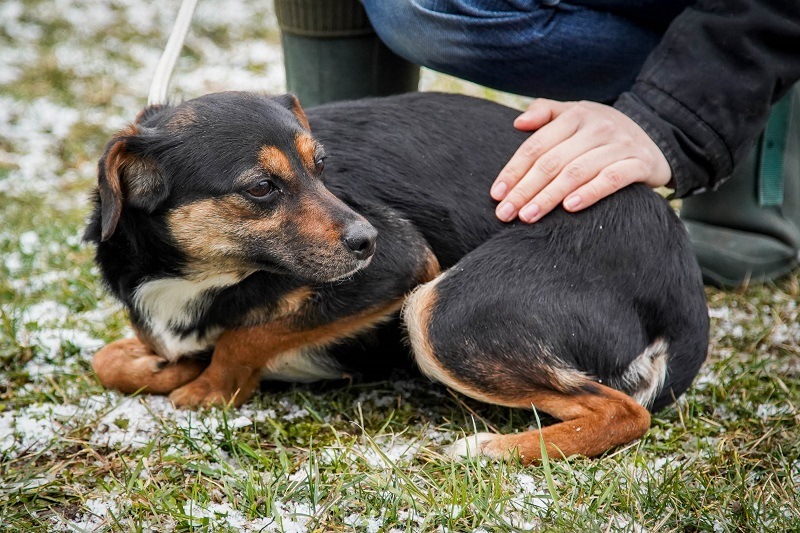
(307, 148)
(275, 161)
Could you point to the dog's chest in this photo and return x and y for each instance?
(171, 308)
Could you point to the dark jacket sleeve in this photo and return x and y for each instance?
(704, 93)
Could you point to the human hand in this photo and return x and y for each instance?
(581, 152)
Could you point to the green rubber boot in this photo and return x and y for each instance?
(332, 53)
(748, 231)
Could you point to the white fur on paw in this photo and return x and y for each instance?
(472, 446)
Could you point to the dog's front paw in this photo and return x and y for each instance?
(202, 392)
(473, 446)
(127, 365)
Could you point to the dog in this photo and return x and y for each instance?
(249, 240)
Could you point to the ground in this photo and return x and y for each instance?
(75, 457)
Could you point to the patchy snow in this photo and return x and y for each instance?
(624, 523)
(97, 513)
(111, 83)
(766, 411)
(29, 242)
(36, 129)
(786, 334)
(381, 453)
(222, 514)
(387, 454)
(13, 262)
(293, 411)
(135, 422)
(35, 428)
(44, 313)
(727, 321)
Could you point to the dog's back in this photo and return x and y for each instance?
(437, 157)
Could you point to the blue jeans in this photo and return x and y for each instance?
(566, 50)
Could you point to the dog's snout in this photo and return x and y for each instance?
(360, 240)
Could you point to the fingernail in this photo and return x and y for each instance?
(529, 212)
(572, 202)
(506, 211)
(499, 190)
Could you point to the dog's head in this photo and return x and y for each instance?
(235, 179)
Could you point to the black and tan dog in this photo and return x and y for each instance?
(239, 259)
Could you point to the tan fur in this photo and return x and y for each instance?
(416, 315)
(307, 149)
(300, 115)
(594, 420)
(313, 226)
(290, 304)
(593, 423)
(117, 158)
(207, 231)
(128, 365)
(111, 192)
(182, 119)
(214, 232)
(293, 302)
(430, 267)
(241, 355)
(275, 161)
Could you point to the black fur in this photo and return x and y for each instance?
(593, 288)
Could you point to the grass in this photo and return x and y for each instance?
(358, 457)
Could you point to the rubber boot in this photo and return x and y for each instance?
(748, 231)
(332, 53)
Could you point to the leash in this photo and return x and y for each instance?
(166, 64)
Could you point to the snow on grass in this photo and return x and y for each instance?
(387, 452)
(97, 514)
(100, 57)
(224, 515)
(36, 130)
(35, 428)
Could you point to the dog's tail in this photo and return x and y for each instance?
(645, 376)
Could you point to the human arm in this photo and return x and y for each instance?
(702, 97)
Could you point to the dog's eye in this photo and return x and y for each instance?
(319, 164)
(262, 190)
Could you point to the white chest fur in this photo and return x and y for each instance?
(170, 306)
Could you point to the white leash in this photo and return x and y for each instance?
(158, 87)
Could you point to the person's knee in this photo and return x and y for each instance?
(401, 26)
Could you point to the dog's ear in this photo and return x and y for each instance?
(148, 112)
(125, 177)
(290, 102)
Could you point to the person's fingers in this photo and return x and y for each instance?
(580, 153)
(529, 154)
(565, 155)
(540, 112)
(611, 179)
(581, 169)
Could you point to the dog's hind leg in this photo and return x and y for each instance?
(128, 366)
(486, 349)
(592, 423)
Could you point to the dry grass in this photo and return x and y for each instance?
(319, 458)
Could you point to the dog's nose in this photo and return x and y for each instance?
(360, 240)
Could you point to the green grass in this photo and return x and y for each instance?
(359, 457)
